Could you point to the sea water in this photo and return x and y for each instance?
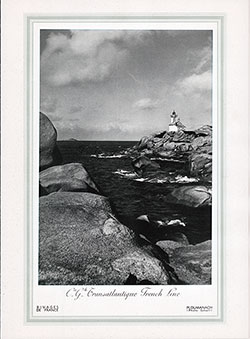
(131, 195)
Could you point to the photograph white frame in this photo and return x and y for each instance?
(214, 293)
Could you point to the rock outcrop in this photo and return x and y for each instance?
(192, 196)
(48, 151)
(81, 242)
(201, 165)
(141, 163)
(192, 147)
(169, 245)
(193, 263)
(67, 178)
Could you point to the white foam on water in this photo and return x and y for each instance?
(111, 156)
(126, 174)
(160, 180)
(167, 159)
(185, 179)
(103, 156)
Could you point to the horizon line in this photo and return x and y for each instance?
(70, 139)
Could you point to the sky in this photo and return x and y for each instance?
(124, 84)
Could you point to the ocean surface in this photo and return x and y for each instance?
(132, 196)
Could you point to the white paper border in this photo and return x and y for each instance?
(235, 175)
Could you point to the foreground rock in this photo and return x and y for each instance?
(169, 245)
(67, 178)
(81, 242)
(193, 263)
(192, 196)
(48, 151)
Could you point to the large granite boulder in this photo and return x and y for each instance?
(81, 242)
(48, 151)
(69, 177)
(170, 245)
(193, 263)
(192, 196)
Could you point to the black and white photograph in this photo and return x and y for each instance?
(126, 157)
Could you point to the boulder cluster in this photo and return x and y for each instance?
(81, 241)
(192, 147)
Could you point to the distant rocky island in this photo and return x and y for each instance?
(81, 240)
(193, 147)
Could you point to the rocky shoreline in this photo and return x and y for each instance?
(193, 148)
(81, 241)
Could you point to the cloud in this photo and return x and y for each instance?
(86, 56)
(205, 56)
(74, 119)
(198, 82)
(48, 104)
(84, 130)
(146, 104)
(76, 109)
(195, 83)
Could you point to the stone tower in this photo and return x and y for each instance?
(175, 123)
(172, 127)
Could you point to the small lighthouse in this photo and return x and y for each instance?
(175, 123)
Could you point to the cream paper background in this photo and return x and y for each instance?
(235, 321)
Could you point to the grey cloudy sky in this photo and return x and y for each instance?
(124, 84)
